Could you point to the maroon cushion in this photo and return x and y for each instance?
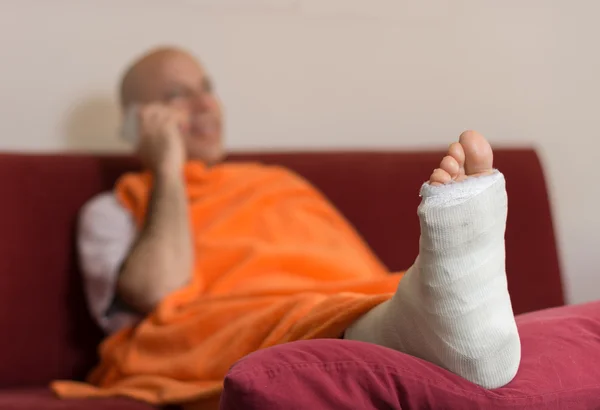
(48, 331)
(560, 369)
(43, 399)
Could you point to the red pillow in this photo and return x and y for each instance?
(560, 368)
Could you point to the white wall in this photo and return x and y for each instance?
(333, 73)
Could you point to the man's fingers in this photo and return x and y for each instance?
(159, 115)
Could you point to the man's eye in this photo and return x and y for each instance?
(207, 86)
(173, 95)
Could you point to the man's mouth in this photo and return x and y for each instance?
(204, 127)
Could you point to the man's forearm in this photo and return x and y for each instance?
(160, 261)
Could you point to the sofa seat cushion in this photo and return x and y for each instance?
(42, 398)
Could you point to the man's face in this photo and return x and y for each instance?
(180, 82)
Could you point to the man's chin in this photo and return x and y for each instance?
(209, 155)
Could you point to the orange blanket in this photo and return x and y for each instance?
(275, 262)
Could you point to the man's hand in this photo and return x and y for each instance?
(161, 259)
(161, 147)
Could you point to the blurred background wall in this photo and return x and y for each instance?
(314, 74)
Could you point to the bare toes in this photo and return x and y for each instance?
(440, 177)
(457, 152)
(451, 166)
(478, 153)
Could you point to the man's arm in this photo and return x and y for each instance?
(105, 233)
(160, 260)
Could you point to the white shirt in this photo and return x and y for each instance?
(105, 234)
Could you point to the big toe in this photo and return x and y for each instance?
(479, 157)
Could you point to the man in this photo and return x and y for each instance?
(196, 263)
(171, 87)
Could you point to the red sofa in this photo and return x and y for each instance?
(48, 332)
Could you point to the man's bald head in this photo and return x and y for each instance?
(137, 82)
(175, 78)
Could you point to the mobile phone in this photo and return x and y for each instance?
(130, 126)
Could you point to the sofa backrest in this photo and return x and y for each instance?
(48, 333)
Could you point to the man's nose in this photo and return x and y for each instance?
(201, 102)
